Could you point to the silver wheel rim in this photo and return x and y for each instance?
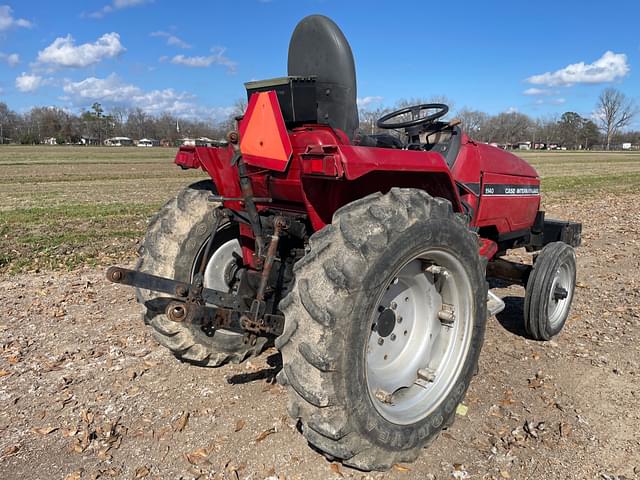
(560, 296)
(216, 272)
(414, 361)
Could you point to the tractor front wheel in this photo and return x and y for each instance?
(549, 291)
(173, 247)
(384, 327)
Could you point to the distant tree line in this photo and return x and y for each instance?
(608, 126)
(42, 123)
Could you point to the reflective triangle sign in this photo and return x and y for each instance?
(264, 141)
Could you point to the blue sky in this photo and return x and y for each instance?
(191, 58)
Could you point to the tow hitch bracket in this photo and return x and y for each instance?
(147, 281)
(231, 313)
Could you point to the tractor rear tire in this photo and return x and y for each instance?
(360, 265)
(549, 291)
(172, 247)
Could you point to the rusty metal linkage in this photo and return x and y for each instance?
(279, 223)
(230, 314)
(223, 318)
(147, 281)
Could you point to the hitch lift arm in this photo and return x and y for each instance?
(232, 313)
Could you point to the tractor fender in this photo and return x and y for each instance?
(216, 161)
(339, 174)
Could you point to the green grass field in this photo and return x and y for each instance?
(61, 207)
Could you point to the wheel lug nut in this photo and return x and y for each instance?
(399, 319)
(427, 374)
(447, 315)
(393, 336)
(393, 305)
(380, 341)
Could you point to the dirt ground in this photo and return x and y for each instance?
(86, 392)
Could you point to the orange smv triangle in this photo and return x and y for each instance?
(264, 141)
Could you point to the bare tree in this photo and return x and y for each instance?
(8, 123)
(229, 123)
(139, 123)
(508, 127)
(614, 112)
(473, 122)
(409, 102)
(119, 115)
(369, 118)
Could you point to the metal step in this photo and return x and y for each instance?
(494, 304)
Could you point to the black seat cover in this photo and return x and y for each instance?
(319, 48)
(449, 149)
(381, 140)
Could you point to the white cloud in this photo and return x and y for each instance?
(63, 53)
(552, 101)
(128, 3)
(29, 83)
(117, 5)
(172, 40)
(217, 58)
(193, 61)
(7, 21)
(12, 59)
(365, 102)
(109, 89)
(536, 91)
(113, 91)
(608, 68)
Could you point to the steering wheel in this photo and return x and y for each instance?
(416, 119)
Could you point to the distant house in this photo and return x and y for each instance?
(85, 140)
(50, 141)
(546, 146)
(201, 142)
(204, 142)
(148, 142)
(118, 142)
(523, 145)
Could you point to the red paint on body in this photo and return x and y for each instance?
(326, 172)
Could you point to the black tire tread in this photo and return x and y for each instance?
(168, 230)
(338, 255)
(535, 320)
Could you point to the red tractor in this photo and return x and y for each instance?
(363, 258)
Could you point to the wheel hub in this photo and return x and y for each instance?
(218, 273)
(221, 269)
(386, 323)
